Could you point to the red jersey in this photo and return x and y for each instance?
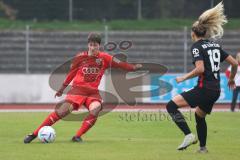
(87, 71)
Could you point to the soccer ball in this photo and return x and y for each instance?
(47, 134)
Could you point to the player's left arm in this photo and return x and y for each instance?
(199, 64)
(116, 63)
(198, 70)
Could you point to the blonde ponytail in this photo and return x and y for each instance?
(209, 24)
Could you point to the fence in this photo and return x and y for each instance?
(109, 10)
(41, 52)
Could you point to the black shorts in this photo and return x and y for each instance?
(201, 97)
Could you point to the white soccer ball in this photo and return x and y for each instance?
(47, 134)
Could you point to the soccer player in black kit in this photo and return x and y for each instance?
(207, 56)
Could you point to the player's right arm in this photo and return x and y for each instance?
(70, 75)
(234, 66)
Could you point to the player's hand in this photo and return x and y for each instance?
(58, 93)
(231, 84)
(137, 66)
(180, 79)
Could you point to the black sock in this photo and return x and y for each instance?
(177, 117)
(201, 130)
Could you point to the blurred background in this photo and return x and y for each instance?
(37, 36)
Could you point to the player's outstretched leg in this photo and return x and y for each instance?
(179, 120)
(52, 118)
(89, 121)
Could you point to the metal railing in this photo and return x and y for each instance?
(43, 48)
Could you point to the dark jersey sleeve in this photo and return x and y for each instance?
(196, 51)
(224, 55)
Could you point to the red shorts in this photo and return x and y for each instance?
(84, 99)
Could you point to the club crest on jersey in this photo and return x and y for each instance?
(99, 61)
(195, 52)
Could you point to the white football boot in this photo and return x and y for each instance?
(188, 140)
(202, 150)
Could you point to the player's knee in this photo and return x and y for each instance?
(95, 108)
(61, 113)
(200, 113)
(171, 106)
(64, 110)
(199, 119)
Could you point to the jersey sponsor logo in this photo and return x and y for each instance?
(90, 70)
(195, 52)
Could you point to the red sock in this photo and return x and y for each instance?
(88, 122)
(50, 120)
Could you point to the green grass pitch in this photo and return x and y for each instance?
(116, 137)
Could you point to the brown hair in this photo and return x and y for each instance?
(209, 24)
(94, 37)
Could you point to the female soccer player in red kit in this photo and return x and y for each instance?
(86, 73)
